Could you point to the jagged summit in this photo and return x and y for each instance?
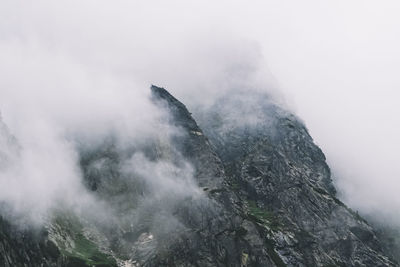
(181, 115)
(162, 92)
(261, 195)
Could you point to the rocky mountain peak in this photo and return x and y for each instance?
(262, 196)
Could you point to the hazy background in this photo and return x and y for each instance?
(80, 65)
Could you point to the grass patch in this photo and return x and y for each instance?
(263, 216)
(88, 252)
(67, 234)
(235, 186)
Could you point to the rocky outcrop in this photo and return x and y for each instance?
(28, 247)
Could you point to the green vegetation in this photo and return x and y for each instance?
(266, 218)
(244, 259)
(67, 233)
(262, 216)
(274, 256)
(235, 186)
(88, 252)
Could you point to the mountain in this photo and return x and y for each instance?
(256, 191)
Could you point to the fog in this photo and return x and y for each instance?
(78, 70)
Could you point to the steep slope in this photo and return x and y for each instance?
(224, 235)
(17, 245)
(275, 166)
(29, 247)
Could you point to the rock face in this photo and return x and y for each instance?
(27, 247)
(262, 196)
(275, 166)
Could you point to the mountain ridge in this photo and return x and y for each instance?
(266, 199)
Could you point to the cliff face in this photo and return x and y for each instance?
(277, 169)
(263, 196)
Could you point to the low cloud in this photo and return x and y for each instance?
(75, 72)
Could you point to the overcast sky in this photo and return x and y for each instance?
(336, 62)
